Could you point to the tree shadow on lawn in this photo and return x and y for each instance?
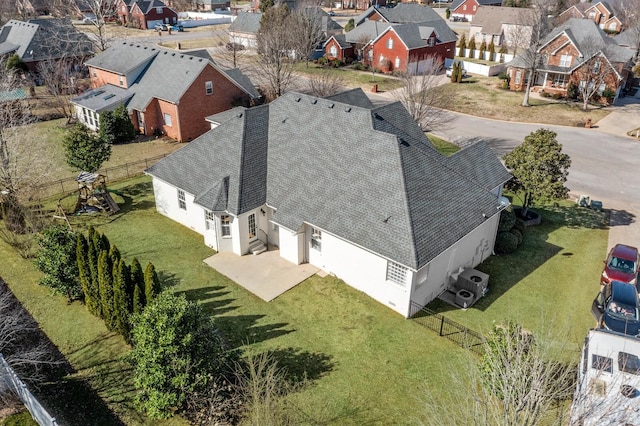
(505, 271)
(240, 329)
(299, 364)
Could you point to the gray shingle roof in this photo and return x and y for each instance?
(340, 39)
(409, 34)
(224, 116)
(147, 5)
(246, 22)
(243, 82)
(123, 57)
(479, 164)
(355, 97)
(44, 39)
(629, 37)
(367, 175)
(106, 97)
(491, 18)
(368, 30)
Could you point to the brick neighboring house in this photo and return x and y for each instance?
(404, 38)
(509, 26)
(166, 92)
(569, 55)
(145, 14)
(38, 40)
(337, 47)
(600, 12)
(467, 9)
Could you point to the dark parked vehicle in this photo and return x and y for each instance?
(616, 308)
(621, 265)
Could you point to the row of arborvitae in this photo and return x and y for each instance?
(112, 289)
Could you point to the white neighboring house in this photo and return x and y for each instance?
(608, 390)
(244, 29)
(354, 190)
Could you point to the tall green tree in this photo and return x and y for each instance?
(492, 51)
(121, 283)
(105, 277)
(116, 126)
(137, 282)
(84, 273)
(56, 259)
(85, 151)
(177, 349)
(539, 168)
(151, 283)
(92, 259)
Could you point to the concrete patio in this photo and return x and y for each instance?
(266, 275)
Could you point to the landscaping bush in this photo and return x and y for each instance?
(519, 225)
(572, 91)
(507, 220)
(358, 66)
(556, 96)
(322, 61)
(518, 235)
(506, 243)
(608, 94)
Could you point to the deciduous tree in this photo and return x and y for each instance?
(539, 168)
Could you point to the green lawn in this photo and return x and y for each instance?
(366, 364)
(444, 147)
(352, 78)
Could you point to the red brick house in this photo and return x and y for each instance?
(166, 92)
(600, 12)
(408, 47)
(145, 14)
(337, 47)
(577, 52)
(466, 9)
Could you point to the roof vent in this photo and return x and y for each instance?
(239, 115)
(166, 53)
(347, 109)
(404, 142)
(298, 99)
(200, 60)
(173, 54)
(330, 106)
(284, 121)
(377, 116)
(314, 101)
(182, 56)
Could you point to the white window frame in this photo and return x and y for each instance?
(397, 274)
(613, 26)
(397, 62)
(316, 239)
(518, 77)
(159, 10)
(95, 72)
(167, 119)
(251, 222)
(560, 80)
(225, 226)
(333, 51)
(597, 66)
(121, 80)
(390, 43)
(209, 220)
(565, 61)
(182, 200)
(430, 42)
(208, 87)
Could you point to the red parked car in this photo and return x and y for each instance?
(621, 265)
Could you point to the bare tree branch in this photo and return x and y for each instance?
(324, 84)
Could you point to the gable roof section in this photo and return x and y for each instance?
(147, 5)
(387, 190)
(457, 3)
(576, 11)
(409, 34)
(355, 97)
(340, 39)
(44, 39)
(368, 31)
(238, 78)
(479, 164)
(491, 18)
(121, 58)
(106, 97)
(246, 22)
(629, 37)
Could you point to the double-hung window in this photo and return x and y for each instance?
(182, 202)
(209, 220)
(208, 87)
(390, 43)
(316, 239)
(565, 60)
(225, 225)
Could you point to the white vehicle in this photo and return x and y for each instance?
(450, 70)
(608, 389)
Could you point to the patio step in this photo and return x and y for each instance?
(257, 247)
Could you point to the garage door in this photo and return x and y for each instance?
(151, 24)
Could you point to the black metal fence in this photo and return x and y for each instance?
(124, 171)
(450, 329)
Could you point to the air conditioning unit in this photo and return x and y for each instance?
(473, 280)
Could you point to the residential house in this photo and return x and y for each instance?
(145, 14)
(48, 39)
(244, 29)
(569, 54)
(467, 9)
(355, 190)
(166, 92)
(337, 47)
(408, 37)
(600, 12)
(508, 26)
(213, 5)
(630, 38)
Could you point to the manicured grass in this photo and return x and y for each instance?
(352, 78)
(366, 364)
(445, 148)
(483, 97)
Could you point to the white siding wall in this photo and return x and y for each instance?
(364, 271)
(468, 252)
(167, 204)
(291, 245)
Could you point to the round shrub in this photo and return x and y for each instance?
(519, 225)
(507, 220)
(506, 243)
(518, 235)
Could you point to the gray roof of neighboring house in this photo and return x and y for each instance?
(246, 22)
(355, 97)
(368, 30)
(243, 82)
(457, 3)
(629, 37)
(340, 39)
(223, 116)
(491, 18)
(213, 2)
(326, 24)
(44, 39)
(123, 57)
(369, 176)
(402, 13)
(586, 35)
(479, 164)
(147, 5)
(104, 98)
(409, 34)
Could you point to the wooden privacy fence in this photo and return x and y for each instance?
(124, 171)
(10, 380)
(457, 333)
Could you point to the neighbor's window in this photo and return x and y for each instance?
(464, 7)
(560, 80)
(209, 220)
(333, 51)
(208, 87)
(390, 43)
(225, 225)
(121, 81)
(474, 7)
(158, 10)
(613, 26)
(628, 363)
(397, 273)
(430, 42)
(592, 14)
(602, 363)
(518, 78)
(182, 202)
(596, 67)
(95, 72)
(565, 60)
(167, 119)
(397, 62)
(601, 88)
(316, 239)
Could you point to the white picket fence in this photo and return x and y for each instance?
(10, 380)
